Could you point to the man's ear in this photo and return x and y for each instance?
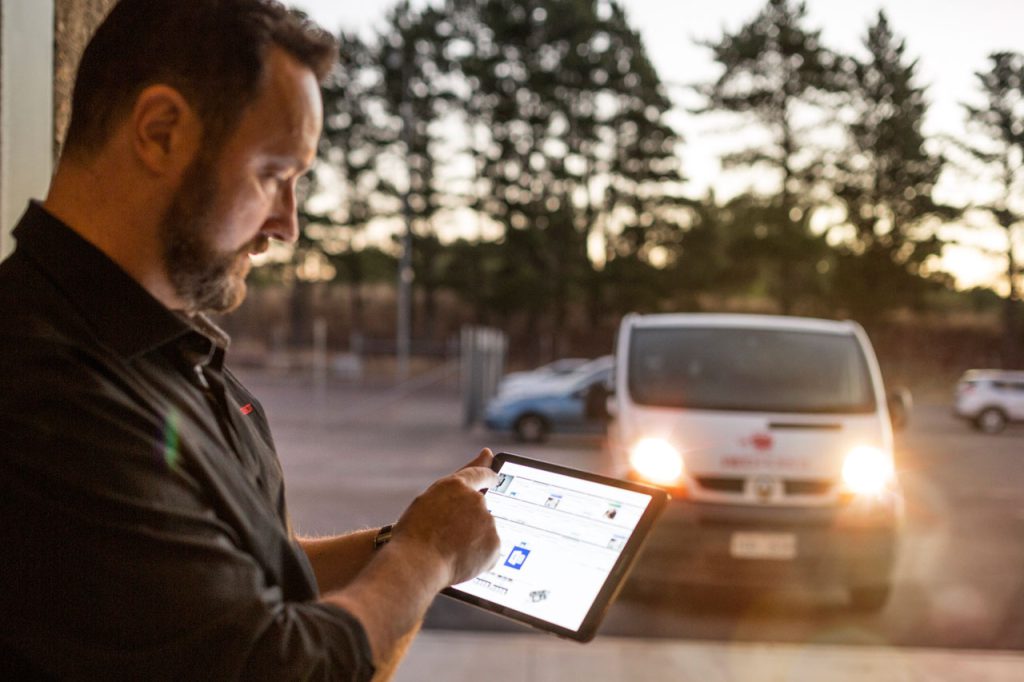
(165, 130)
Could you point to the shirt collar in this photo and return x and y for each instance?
(124, 315)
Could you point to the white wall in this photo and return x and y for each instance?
(26, 109)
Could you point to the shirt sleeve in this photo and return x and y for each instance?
(116, 565)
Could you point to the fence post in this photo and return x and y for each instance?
(481, 363)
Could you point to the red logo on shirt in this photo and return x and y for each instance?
(247, 408)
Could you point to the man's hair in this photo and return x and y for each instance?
(212, 51)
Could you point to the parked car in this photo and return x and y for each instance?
(990, 398)
(774, 437)
(572, 403)
(517, 381)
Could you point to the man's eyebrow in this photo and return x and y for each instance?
(291, 162)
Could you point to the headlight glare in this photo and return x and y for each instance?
(867, 471)
(657, 461)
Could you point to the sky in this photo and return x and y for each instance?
(951, 38)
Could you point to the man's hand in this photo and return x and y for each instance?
(451, 520)
(446, 536)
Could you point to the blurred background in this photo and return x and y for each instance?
(539, 168)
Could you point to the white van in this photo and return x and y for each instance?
(773, 436)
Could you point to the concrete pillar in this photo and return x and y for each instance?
(40, 45)
(26, 108)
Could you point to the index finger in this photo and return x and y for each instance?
(477, 478)
(483, 459)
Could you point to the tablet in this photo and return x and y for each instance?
(568, 540)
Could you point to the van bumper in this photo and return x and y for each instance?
(851, 544)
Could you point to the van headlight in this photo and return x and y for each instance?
(867, 471)
(657, 461)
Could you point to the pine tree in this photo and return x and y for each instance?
(885, 181)
(571, 144)
(999, 147)
(544, 118)
(348, 170)
(777, 74)
(416, 96)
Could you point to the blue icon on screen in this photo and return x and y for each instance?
(517, 557)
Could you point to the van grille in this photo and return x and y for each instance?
(794, 487)
(722, 485)
(790, 486)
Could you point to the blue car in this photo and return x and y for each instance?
(573, 403)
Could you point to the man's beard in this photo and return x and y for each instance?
(205, 279)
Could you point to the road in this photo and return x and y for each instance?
(354, 456)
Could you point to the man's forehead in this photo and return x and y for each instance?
(287, 114)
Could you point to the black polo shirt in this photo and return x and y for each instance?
(142, 517)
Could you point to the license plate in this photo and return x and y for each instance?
(778, 546)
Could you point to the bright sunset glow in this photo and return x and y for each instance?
(951, 46)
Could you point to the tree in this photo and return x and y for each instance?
(568, 139)
(542, 118)
(998, 146)
(415, 96)
(379, 105)
(346, 171)
(885, 180)
(471, 269)
(778, 74)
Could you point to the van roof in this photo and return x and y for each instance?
(784, 322)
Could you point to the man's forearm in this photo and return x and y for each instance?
(392, 594)
(338, 559)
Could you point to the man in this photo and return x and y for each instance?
(142, 513)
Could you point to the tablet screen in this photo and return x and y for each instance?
(561, 538)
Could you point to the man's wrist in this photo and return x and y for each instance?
(383, 536)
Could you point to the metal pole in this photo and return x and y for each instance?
(320, 362)
(405, 271)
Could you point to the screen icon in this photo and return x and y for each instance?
(517, 557)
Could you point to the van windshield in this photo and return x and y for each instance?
(759, 370)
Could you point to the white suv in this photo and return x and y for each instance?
(990, 398)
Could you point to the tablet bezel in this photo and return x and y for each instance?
(616, 577)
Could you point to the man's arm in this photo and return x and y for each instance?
(337, 559)
(446, 536)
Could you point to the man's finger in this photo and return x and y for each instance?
(477, 478)
(484, 459)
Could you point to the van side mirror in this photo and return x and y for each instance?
(900, 404)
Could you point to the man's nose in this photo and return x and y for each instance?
(283, 223)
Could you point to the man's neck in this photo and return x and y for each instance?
(128, 234)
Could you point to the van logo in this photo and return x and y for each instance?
(759, 441)
(765, 488)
